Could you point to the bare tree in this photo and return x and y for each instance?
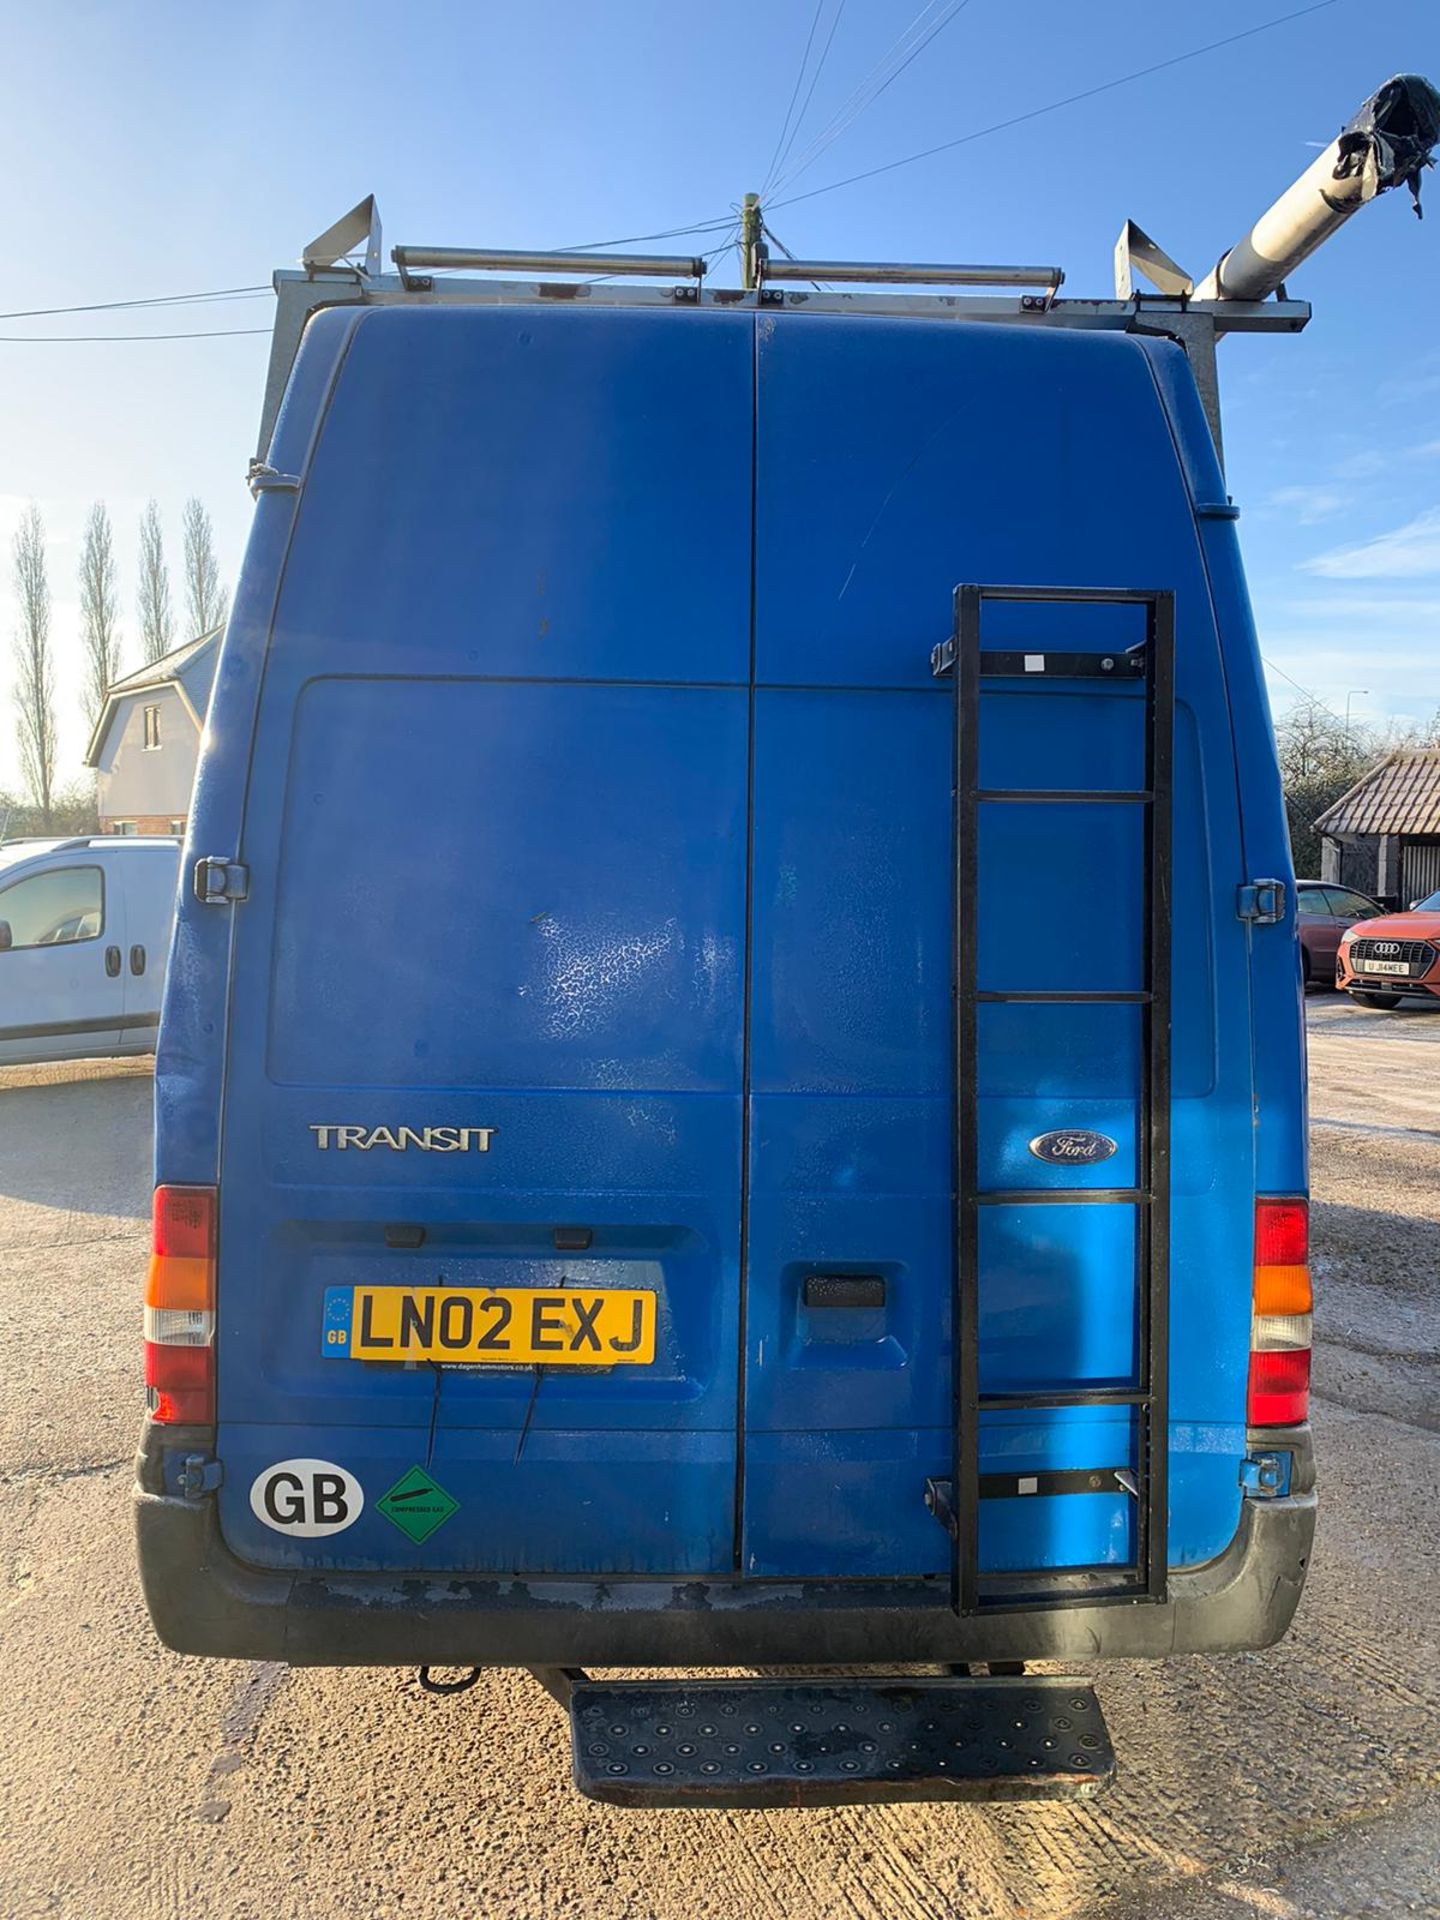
(157, 622)
(1410, 733)
(99, 610)
(34, 678)
(72, 810)
(1320, 758)
(205, 598)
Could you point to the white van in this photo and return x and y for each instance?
(84, 933)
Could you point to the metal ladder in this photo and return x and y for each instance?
(957, 1505)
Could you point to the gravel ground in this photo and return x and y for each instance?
(1295, 1783)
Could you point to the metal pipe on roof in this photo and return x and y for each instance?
(904, 273)
(487, 259)
(1389, 142)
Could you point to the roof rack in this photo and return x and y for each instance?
(483, 276)
(1385, 145)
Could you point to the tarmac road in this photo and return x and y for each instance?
(138, 1786)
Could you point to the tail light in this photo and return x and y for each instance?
(180, 1308)
(1280, 1334)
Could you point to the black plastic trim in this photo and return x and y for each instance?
(204, 1600)
(116, 1022)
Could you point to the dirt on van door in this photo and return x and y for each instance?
(138, 1786)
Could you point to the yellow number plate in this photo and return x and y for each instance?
(510, 1327)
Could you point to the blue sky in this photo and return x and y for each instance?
(159, 148)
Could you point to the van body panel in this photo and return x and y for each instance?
(1281, 1141)
(568, 976)
(527, 494)
(543, 954)
(573, 1502)
(191, 1050)
(1008, 457)
(612, 815)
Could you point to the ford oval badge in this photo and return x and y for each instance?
(1072, 1147)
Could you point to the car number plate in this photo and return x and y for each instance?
(1383, 966)
(504, 1326)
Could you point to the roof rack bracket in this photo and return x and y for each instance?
(359, 227)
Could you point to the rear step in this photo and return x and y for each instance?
(802, 1743)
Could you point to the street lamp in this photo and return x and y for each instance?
(1348, 698)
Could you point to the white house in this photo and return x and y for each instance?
(147, 740)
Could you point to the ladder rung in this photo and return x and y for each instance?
(1048, 1483)
(1043, 997)
(1039, 795)
(1063, 1197)
(1039, 1402)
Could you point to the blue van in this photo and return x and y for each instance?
(731, 1087)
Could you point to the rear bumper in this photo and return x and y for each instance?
(205, 1601)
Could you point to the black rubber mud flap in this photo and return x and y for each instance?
(804, 1743)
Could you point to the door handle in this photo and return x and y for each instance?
(137, 959)
(112, 962)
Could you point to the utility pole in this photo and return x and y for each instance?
(752, 247)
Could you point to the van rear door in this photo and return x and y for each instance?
(897, 459)
(486, 1030)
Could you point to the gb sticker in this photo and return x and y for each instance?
(307, 1498)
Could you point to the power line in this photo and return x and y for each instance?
(604, 279)
(158, 300)
(794, 94)
(809, 93)
(1088, 93)
(75, 339)
(1313, 698)
(770, 234)
(855, 98)
(633, 239)
(254, 292)
(873, 85)
(625, 240)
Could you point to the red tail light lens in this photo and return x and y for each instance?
(180, 1384)
(1282, 1233)
(1280, 1388)
(184, 1223)
(1280, 1325)
(180, 1308)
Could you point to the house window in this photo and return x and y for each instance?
(152, 727)
(177, 826)
(124, 826)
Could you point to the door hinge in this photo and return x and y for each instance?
(199, 1476)
(220, 882)
(1264, 1476)
(261, 477)
(1261, 902)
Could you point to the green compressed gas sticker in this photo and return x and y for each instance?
(417, 1504)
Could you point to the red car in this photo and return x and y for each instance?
(1324, 911)
(1382, 961)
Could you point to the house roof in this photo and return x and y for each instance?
(168, 671)
(1401, 795)
(157, 672)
